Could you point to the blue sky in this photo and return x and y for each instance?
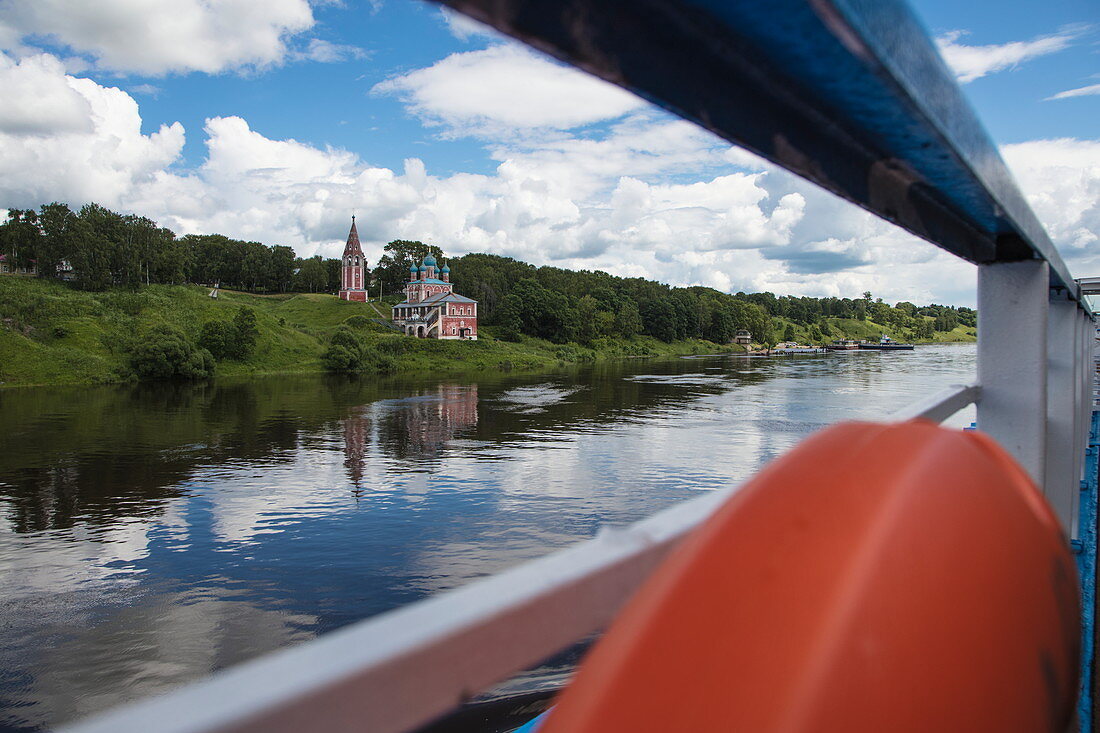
(273, 121)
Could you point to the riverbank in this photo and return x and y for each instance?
(52, 334)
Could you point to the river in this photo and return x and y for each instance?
(151, 534)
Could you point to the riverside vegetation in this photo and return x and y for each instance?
(134, 310)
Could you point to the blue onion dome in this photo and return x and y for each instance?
(429, 261)
(412, 267)
(423, 269)
(445, 269)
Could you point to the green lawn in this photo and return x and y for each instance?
(52, 334)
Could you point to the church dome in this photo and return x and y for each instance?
(429, 261)
(446, 268)
(423, 269)
(412, 267)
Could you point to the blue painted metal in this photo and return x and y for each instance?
(1086, 571)
(850, 94)
(533, 725)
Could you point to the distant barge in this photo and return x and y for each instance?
(886, 344)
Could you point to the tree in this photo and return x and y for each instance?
(509, 318)
(89, 254)
(722, 326)
(311, 275)
(55, 220)
(244, 326)
(401, 254)
(20, 237)
(344, 352)
(218, 338)
(628, 321)
(659, 319)
(281, 268)
(165, 353)
(256, 266)
(589, 324)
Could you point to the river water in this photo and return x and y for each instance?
(152, 534)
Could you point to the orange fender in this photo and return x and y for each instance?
(876, 578)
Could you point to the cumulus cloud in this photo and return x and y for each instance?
(49, 102)
(507, 88)
(156, 37)
(640, 195)
(974, 62)
(73, 137)
(326, 52)
(1061, 180)
(464, 28)
(1091, 90)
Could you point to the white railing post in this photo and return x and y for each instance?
(1063, 416)
(1012, 359)
(1082, 398)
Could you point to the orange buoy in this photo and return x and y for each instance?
(876, 578)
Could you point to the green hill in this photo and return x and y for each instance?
(53, 334)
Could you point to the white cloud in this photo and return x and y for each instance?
(507, 88)
(48, 101)
(1061, 180)
(326, 52)
(73, 138)
(974, 62)
(646, 195)
(1092, 90)
(146, 89)
(157, 37)
(464, 28)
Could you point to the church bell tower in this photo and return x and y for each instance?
(353, 269)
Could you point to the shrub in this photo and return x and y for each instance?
(394, 345)
(164, 352)
(357, 321)
(349, 352)
(234, 339)
(245, 324)
(217, 337)
(339, 358)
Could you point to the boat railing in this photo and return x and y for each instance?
(847, 93)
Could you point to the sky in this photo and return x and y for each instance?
(277, 121)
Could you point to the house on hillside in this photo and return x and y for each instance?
(742, 337)
(432, 309)
(8, 267)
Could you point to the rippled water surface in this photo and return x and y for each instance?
(152, 534)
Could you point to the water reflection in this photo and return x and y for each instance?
(152, 534)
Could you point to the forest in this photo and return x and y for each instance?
(97, 249)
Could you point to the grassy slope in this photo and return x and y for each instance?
(51, 334)
(855, 329)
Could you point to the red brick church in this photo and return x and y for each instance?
(353, 281)
(432, 309)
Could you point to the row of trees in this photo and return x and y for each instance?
(566, 305)
(105, 249)
(100, 248)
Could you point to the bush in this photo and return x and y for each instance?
(164, 352)
(234, 339)
(394, 345)
(245, 324)
(339, 358)
(357, 321)
(217, 337)
(350, 352)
